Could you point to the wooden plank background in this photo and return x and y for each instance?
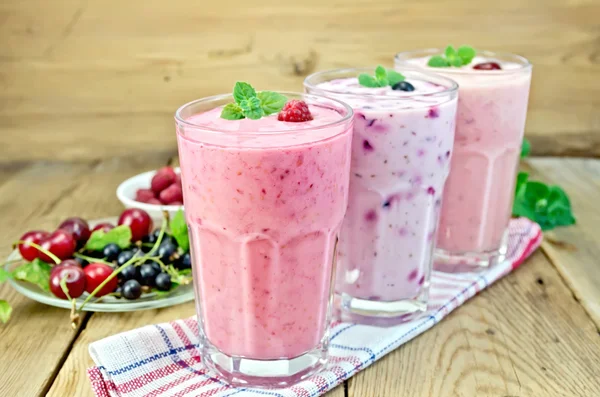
(108, 75)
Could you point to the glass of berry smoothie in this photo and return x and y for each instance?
(477, 205)
(403, 135)
(265, 196)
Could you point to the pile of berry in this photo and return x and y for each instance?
(123, 261)
(165, 188)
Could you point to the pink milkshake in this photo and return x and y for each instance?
(400, 160)
(494, 89)
(264, 202)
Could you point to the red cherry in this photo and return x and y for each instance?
(163, 178)
(104, 226)
(67, 262)
(28, 252)
(79, 228)
(487, 66)
(138, 220)
(75, 280)
(61, 243)
(95, 274)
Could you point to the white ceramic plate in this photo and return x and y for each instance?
(126, 194)
(182, 294)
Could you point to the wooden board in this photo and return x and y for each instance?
(523, 336)
(574, 250)
(80, 80)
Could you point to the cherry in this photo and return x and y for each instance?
(163, 178)
(104, 226)
(75, 280)
(67, 262)
(487, 66)
(95, 274)
(28, 252)
(171, 194)
(138, 220)
(79, 228)
(61, 243)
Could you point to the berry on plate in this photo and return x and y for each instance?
(95, 274)
(138, 221)
(28, 252)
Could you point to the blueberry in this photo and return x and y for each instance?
(151, 238)
(82, 262)
(147, 274)
(184, 262)
(403, 86)
(125, 256)
(166, 250)
(128, 273)
(131, 289)
(163, 282)
(111, 251)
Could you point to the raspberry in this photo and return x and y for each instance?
(295, 111)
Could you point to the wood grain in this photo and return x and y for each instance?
(80, 81)
(574, 250)
(524, 336)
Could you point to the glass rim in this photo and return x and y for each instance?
(214, 98)
(452, 88)
(523, 62)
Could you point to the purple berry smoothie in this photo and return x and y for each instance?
(264, 202)
(400, 160)
(489, 130)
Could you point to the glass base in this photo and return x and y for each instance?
(271, 373)
(380, 313)
(469, 262)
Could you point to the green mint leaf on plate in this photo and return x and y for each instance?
(368, 81)
(120, 235)
(525, 148)
(394, 77)
(381, 76)
(271, 102)
(179, 230)
(4, 275)
(36, 272)
(438, 61)
(5, 311)
(466, 54)
(243, 91)
(232, 111)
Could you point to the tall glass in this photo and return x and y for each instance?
(400, 161)
(489, 130)
(264, 202)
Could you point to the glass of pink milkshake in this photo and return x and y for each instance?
(494, 89)
(264, 202)
(400, 160)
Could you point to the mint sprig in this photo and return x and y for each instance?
(179, 230)
(5, 311)
(252, 105)
(382, 78)
(549, 206)
(120, 235)
(36, 272)
(452, 57)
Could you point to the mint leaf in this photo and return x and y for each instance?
(271, 102)
(525, 148)
(5, 311)
(455, 61)
(36, 272)
(120, 235)
(179, 230)
(251, 108)
(381, 76)
(4, 275)
(232, 111)
(395, 77)
(466, 54)
(243, 91)
(367, 81)
(438, 61)
(450, 52)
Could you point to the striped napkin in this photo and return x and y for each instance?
(164, 360)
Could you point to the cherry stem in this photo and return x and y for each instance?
(91, 259)
(41, 249)
(120, 268)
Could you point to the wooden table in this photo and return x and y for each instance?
(534, 333)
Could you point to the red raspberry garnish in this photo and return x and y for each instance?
(487, 66)
(295, 111)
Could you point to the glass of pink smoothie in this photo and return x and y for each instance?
(400, 160)
(264, 202)
(489, 131)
